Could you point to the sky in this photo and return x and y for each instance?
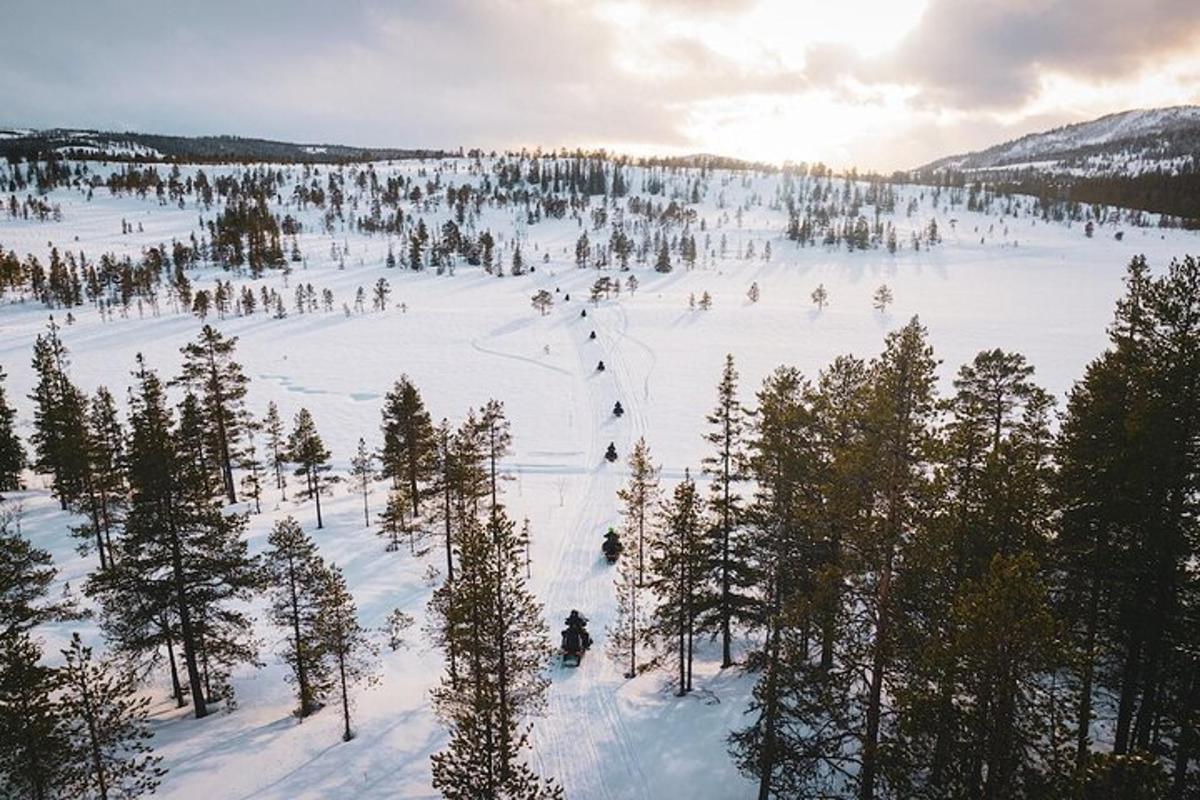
(877, 84)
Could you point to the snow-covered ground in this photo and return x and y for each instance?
(1044, 290)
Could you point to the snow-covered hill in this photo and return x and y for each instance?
(1129, 142)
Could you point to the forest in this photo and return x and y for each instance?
(971, 594)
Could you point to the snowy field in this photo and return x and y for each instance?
(1044, 290)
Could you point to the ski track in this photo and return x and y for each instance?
(582, 723)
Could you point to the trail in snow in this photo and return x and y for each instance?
(582, 740)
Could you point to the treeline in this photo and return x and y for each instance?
(948, 597)
(1174, 193)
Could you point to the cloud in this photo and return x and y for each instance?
(980, 54)
(784, 78)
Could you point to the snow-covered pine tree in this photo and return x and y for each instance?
(639, 498)
(107, 752)
(676, 574)
(727, 567)
(209, 370)
(409, 445)
(308, 453)
(12, 454)
(295, 573)
(351, 655)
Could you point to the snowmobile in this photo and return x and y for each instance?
(592, 335)
(583, 312)
(612, 546)
(611, 453)
(617, 410)
(600, 367)
(575, 639)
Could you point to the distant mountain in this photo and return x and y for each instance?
(16, 143)
(1147, 159)
(1128, 143)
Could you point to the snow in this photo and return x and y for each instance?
(1046, 149)
(1044, 290)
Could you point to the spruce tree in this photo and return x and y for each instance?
(209, 369)
(307, 451)
(296, 575)
(107, 752)
(408, 441)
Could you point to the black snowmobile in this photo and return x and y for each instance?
(592, 335)
(612, 546)
(611, 453)
(600, 367)
(618, 410)
(575, 639)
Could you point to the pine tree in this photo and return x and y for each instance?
(209, 369)
(60, 432)
(676, 572)
(409, 444)
(178, 544)
(631, 625)
(900, 411)
(107, 751)
(639, 498)
(882, 298)
(252, 465)
(501, 647)
(307, 451)
(33, 744)
(276, 446)
(796, 744)
(663, 261)
(105, 498)
(362, 468)
(296, 574)
(12, 454)
(727, 569)
(820, 297)
(28, 573)
(350, 652)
